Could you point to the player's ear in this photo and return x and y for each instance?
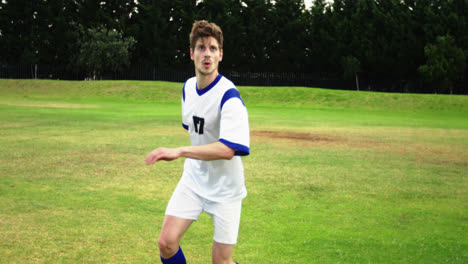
(221, 55)
(191, 53)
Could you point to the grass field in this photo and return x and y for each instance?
(333, 176)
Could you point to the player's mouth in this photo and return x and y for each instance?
(207, 63)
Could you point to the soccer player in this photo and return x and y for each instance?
(216, 119)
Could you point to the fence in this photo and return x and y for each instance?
(21, 71)
(143, 72)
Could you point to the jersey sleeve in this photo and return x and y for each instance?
(234, 126)
(184, 122)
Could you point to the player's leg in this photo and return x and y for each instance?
(172, 230)
(222, 253)
(226, 220)
(183, 208)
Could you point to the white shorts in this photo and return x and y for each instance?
(186, 204)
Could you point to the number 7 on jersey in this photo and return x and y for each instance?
(198, 123)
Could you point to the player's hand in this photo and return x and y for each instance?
(166, 154)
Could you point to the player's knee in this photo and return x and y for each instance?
(221, 259)
(167, 245)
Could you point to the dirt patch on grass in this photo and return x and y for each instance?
(299, 136)
(308, 139)
(434, 155)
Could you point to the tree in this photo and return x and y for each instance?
(57, 39)
(103, 51)
(256, 35)
(387, 38)
(321, 51)
(445, 64)
(19, 31)
(288, 49)
(351, 67)
(159, 27)
(182, 16)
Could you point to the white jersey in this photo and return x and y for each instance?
(216, 113)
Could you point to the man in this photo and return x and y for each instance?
(213, 179)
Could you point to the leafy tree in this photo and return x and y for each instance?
(257, 35)
(351, 67)
(102, 51)
(56, 23)
(321, 46)
(182, 15)
(387, 38)
(288, 48)
(445, 64)
(109, 13)
(19, 32)
(151, 27)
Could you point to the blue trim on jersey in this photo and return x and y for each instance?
(206, 89)
(185, 126)
(231, 93)
(241, 150)
(183, 92)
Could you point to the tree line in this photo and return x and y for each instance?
(366, 41)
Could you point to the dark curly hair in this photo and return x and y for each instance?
(203, 28)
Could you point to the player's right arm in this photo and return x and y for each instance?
(166, 154)
(213, 151)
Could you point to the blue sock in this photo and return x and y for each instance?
(178, 258)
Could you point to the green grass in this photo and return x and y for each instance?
(333, 176)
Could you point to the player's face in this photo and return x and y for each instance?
(206, 56)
